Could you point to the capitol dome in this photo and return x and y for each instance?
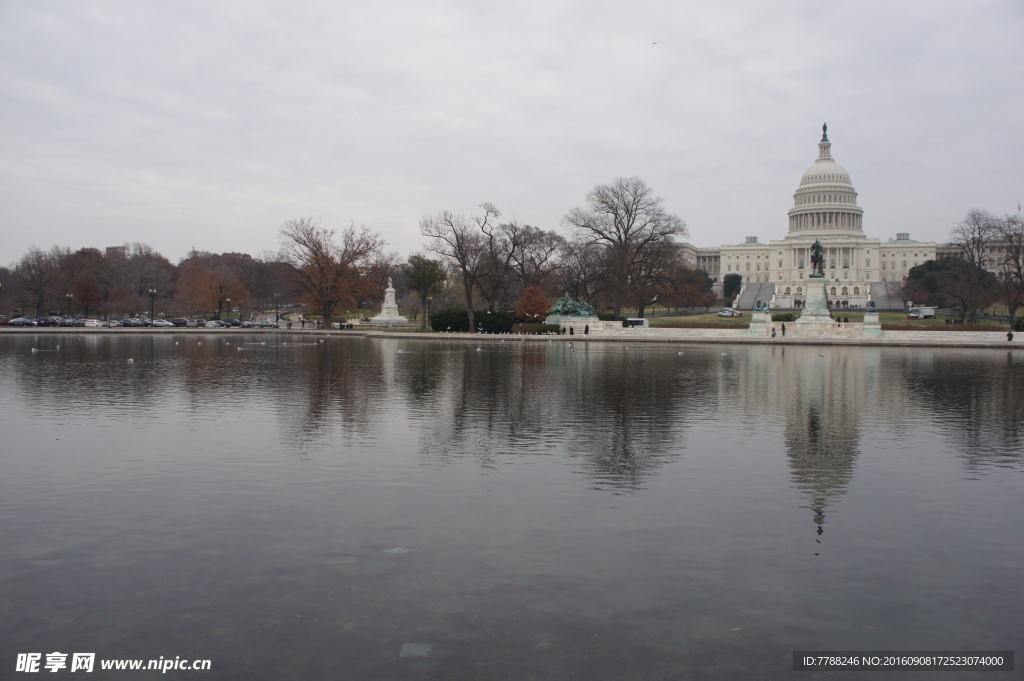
(825, 203)
(825, 171)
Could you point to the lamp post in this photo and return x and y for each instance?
(152, 299)
(229, 307)
(277, 307)
(68, 298)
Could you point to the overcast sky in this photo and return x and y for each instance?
(209, 124)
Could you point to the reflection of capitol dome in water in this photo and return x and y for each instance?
(822, 452)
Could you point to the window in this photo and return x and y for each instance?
(799, 290)
(833, 290)
(846, 291)
(867, 262)
(748, 266)
(856, 290)
(788, 291)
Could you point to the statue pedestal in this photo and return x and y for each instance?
(815, 303)
(871, 328)
(389, 310)
(760, 323)
(577, 322)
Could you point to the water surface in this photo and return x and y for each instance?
(300, 507)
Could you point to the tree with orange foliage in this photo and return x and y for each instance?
(533, 306)
(329, 273)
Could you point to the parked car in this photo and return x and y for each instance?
(730, 313)
(22, 321)
(266, 324)
(231, 322)
(48, 321)
(178, 321)
(247, 324)
(91, 323)
(163, 323)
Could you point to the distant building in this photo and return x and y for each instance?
(824, 209)
(117, 251)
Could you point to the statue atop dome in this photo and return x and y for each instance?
(824, 132)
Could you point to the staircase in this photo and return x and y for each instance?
(753, 291)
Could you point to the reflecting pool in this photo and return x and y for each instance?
(311, 506)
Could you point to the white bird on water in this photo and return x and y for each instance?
(131, 361)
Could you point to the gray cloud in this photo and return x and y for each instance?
(209, 124)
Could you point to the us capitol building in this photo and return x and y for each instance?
(824, 209)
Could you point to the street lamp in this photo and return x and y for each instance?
(277, 307)
(152, 298)
(68, 298)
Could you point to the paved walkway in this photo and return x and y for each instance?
(948, 339)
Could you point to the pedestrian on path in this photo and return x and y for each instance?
(773, 332)
(783, 328)
(1009, 335)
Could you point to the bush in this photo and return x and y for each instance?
(495, 322)
(1018, 325)
(610, 317)
(783, 316)
(450, 320)
(549, 328)
(458, 320)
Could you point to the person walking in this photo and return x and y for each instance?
(783, 328)
(773, 332)
(1009, 335)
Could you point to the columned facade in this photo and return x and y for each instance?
(824, 209)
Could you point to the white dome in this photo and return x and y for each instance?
(825, 203)
(825, 171)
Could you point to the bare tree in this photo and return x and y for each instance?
(328, 273)
(628, 220)
(498, 281)
(538, 257)
(133, 270)
(652, 274)
(1010, 233)
(461, 240)
(973, 238)
(583, 272)
(40, 272)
